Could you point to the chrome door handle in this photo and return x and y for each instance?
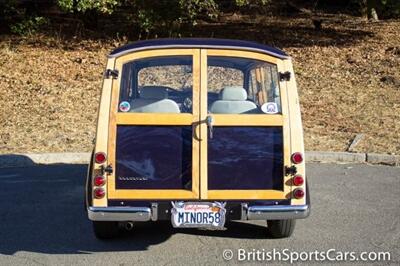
(210, 122)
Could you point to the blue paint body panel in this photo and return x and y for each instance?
(198, 43)
(245, 157)
(154, 157)
(160, 157)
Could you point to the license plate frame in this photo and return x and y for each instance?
(210, 215)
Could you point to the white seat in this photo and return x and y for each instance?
(233, 100)
(153, 99)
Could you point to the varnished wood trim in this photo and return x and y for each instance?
(195, 128)
(246, 194)
(154, 53)
(203, 127)
(286, 130)
(247, 120)
(296, 127)
(112, 132)
(102, 126)
(152, 194)
(244, 54)
(154, 119)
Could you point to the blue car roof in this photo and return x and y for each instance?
(198, 43)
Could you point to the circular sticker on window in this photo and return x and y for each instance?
(269, 108)
(124, 106)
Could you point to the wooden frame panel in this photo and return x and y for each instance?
(102, 123)
(203, 126)
(287, 188)
(242, 120)
(247, 120)
(245, 194)
(244, 54)
(152, 119)
(296, 127)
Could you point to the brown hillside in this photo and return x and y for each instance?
(348, 74)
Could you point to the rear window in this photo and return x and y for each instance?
(242, 86)
(165, 85)
(157, 85)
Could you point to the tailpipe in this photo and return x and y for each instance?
(129, 226)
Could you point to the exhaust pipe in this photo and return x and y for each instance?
(129, 226)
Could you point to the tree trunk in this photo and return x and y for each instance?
(372, 6)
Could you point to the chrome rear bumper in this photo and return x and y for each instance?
(140, 214)
(143, 214)
(275, 212)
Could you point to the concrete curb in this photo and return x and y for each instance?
(31, 159)
(335, 157)
(350, 157)
(375, 158)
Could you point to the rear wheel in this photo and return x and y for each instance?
(105, 229)
(281, 228)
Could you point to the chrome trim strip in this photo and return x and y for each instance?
(278, 212)
(154, 212)
(141, 214)
(244, 48)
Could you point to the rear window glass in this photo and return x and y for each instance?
(157, 85)
(242, 86)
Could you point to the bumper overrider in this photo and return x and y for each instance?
(253, 212)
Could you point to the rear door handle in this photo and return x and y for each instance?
(210, 122)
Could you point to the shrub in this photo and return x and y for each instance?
(28, 26)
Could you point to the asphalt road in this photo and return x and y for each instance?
(355, 208)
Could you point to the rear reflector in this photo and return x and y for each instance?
(297, 157)
(298, 193)
(298, 180)
(99, 181)
(99, 193)
(100, 157)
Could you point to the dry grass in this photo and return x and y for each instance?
(49, 89)
(350, 90)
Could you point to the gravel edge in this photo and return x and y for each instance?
(31, 159)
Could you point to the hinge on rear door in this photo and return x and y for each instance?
(107, 169)
(285, 76)
(292, 170)
(110, 73)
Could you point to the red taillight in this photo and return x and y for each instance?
(298, 193)
(99, 181)
(298, 180)
(100, 157)
(297, 157)
(99, 193)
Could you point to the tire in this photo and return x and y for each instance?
(281, 228)
(87, 193)
(105, 229)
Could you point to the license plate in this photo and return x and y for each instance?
(198, 214)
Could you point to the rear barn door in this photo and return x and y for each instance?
(245, 138)
(154, 143)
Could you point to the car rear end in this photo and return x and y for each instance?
(198, 136)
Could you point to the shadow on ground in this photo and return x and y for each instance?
(289, 32)
(280, 31)
(41, 210)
